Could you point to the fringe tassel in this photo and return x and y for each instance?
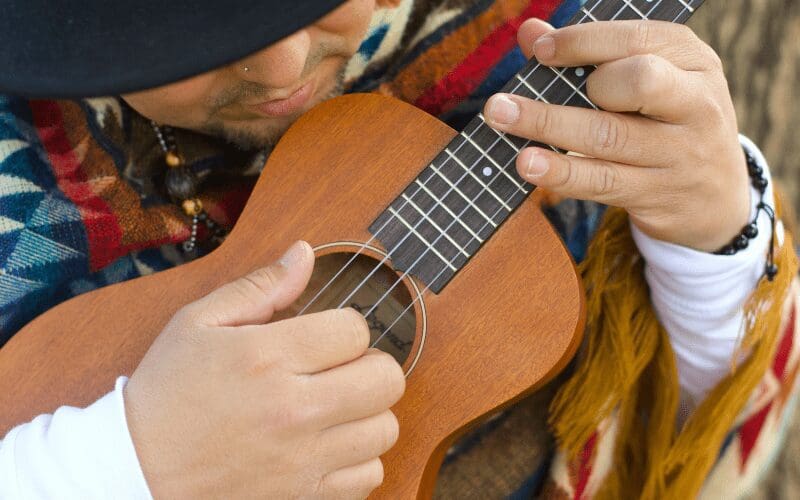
(627, 365)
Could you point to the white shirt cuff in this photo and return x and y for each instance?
(74, 454)
(699, 297)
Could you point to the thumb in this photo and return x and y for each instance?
(254, 298)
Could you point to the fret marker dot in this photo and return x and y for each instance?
(580, 72)
(487, 171)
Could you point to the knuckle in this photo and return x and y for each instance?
(684, 32)
(639, 37)
(297, 413)
(374, 477)
(603, 180)
(356, 326)
(391, 431)
(259, 358)
(568, 178)
(393, 372)
(261, 280)
(648, 76)
(607, 134)
(712, 110)
(543, 122)
(713, 59)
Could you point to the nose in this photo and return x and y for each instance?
(279, 65)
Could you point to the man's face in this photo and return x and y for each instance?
(252, 102)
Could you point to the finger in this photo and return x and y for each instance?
(362, 388)
(630, 139)
(583, 178)
(254, 298)
(529, 32)
(307, 344)
(356, 481)
(355, 442)
(604, 41)
(650, 85)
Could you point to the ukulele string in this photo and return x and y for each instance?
(587, 15)
(502, 136)
(389, 219)
(375, 235)
(454, 185)
(559, 77)
(427, 287)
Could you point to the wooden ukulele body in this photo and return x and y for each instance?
(507, 323)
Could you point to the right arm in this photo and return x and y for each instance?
(225, 404)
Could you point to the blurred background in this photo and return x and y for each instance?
(759, 42)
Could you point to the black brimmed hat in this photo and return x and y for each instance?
(63, 48)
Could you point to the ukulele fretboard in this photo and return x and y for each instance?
(466, 193)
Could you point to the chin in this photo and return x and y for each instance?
(266, 132)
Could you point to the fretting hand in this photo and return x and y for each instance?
(664, 144)
(225, 406)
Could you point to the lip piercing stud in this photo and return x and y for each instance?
(246, 69)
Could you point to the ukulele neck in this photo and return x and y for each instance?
(466, 193)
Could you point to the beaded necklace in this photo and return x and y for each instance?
(182, 185)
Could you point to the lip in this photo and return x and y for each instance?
(287, 106)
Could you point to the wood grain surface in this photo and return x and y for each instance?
(482, 350)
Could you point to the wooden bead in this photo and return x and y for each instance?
(173, 159)
(192, 206)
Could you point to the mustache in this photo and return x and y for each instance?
(247, 90)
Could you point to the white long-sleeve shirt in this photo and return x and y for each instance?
(88, 453)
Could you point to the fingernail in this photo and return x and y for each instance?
(536, 165)
(544, 47)
(502, 110)
(294, 255)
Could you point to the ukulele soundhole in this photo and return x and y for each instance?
(343, 277)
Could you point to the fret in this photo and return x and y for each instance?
(472, 186)
(588, 14)
(443, 207)
(513, 142)
(575, 88)
(639, 13)
(500, 169)
(433, 223)
(427, 233)
(463, 207)
(450, 221)
(428, 244)
(662, 10)
(491, 159)
(578, 76)
(469, 171)
(485, 206)
(534, 94)
(503, 150)
(626, 13)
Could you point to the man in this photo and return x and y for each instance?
(155, 182)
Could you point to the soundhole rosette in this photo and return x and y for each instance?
(352, 274)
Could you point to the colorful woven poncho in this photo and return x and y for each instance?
(82, 206)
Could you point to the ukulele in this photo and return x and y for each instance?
(456, 269)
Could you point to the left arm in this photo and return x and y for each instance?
(664, 146)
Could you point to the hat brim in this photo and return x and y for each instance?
(105, 47)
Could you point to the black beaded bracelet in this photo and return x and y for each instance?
(750, 231)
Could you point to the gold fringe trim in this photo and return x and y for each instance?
(627, 365)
